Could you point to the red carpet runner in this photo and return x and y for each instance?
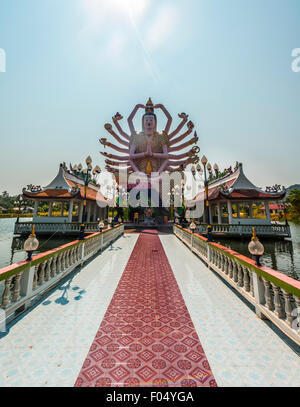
(147, 337)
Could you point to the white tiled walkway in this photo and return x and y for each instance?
(48, 345)
(241, 349)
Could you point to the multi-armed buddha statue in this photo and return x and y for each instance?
(149, 151)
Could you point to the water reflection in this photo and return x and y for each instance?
(281, 255)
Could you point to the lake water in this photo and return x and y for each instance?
(11, 248)
(280, 255)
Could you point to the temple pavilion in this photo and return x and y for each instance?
(67, 191)
(234, 200)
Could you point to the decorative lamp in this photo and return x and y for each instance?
(88, 161)
(199, 169)
(101, 225)
(216, 169)
(193, 226)
(209, 167)
(31, 244)
(204, 161)
(79, 167)
(256, 248)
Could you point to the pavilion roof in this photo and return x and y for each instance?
(66, 186)
(236, 186)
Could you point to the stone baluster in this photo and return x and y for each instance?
(6, 297)
(16, 290)
(41, 278)
(219, 260)
(53, 266)
(268, 296)
(74, 255)
(226, 265)
(278, 306)
(230, 268)
(63, 261)
(67, 258)
(288, 307)
(246, 279)
(251, 283)
(48, 270)
(212, 255)
(296, 322)
(235, 271)
(240, 275)
(58, 263)
(35, 276)
(72, 261)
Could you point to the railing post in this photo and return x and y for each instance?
(209, 253)
(259, 293)
(82, 253)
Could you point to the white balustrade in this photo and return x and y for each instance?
(271, 301)
(42, 274)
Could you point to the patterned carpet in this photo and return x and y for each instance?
(147, 337)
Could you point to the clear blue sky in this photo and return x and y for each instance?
(72, 64)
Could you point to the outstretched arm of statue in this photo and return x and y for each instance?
(121, 141)
(169, 117)
(116, 119)
(110, 162)
(180, 156)
(184, 145)
(187, 161)
(182, 137)
(108, 127)
(184, 118)
(108, 144)
(115, 157)
(131, 117)
(115, 170)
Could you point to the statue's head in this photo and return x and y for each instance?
(149, 120)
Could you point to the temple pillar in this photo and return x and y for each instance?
(88, 218)
(80, 212)
(95, 212)
(62, 209)
(251, 210)
(205, 213)
(238, 210)
(36, 207)
(50, 208)
(268, 212)
(219, 213)
(229, 207)
(210, 213)
(70, 214)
